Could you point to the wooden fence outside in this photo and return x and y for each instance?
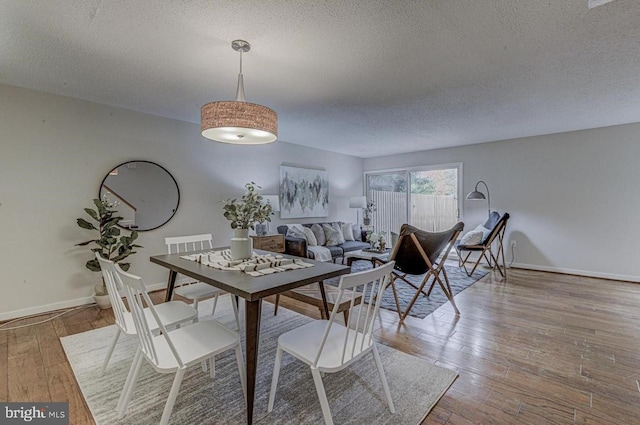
(428, 212)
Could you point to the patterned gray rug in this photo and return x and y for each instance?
(424, 306)
(355, 394)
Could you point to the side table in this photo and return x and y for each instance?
(273, 243)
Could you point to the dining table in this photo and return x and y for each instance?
(253, 289)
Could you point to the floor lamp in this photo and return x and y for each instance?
(477, 195)
(358, 202)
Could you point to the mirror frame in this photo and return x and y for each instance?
(148, 162)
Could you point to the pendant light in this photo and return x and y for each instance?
(239, 122)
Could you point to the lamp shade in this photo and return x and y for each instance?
(274, 200)
(476, 195)
(241, 123)
(358, 202)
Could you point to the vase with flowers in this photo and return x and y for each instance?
(367, 211)
(377, 241)
(243, 215)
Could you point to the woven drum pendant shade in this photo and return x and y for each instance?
(237, 122)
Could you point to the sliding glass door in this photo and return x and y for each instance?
(425, 197)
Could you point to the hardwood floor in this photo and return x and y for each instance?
(541, 348)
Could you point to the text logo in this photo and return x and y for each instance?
(34, 413)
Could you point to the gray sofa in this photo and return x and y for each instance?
(298, 246)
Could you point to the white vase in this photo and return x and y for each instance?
(241, 245)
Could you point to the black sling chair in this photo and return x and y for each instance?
(484, 247)
(416, 253)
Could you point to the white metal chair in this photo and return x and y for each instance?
(327, 346)
(172, 352)
(197, 291)
(170, 314)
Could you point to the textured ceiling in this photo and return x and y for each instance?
(361, 77)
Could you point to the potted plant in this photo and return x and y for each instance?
(370, 208)
(243, 215)
(108, 245)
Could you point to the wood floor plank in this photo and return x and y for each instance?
(63, 387)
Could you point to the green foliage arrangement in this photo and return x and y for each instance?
(108, 245)
(370, 208)
(249, 210)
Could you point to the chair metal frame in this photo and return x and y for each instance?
(328, 346)
(433, 270)
(485, 248)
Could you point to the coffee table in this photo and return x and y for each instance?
(366, 255)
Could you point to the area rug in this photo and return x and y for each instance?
(355, 394)
(424, 305)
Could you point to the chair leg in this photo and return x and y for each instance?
(415, 297)
(173, 394)
(383, 378)
(324, 403)
(110, 352)
(127, 382)
(447, 291)
(132, 380)
(395, 297)
(212, 367)
(215, 304)
(274, 379)
(241, 370)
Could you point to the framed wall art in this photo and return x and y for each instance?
(304, 192)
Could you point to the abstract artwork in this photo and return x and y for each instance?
(304, 192)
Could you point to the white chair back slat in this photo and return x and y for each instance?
(359, 336)
(114, 286)
(179, 244)
(137, 296)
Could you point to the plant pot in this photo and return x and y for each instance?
(102, 301)
(241, 245)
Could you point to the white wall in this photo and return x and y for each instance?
(573, 197)
(55, 152)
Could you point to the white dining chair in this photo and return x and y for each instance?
(172, 351)
(170, 314)
(197, 291)
(328, 346)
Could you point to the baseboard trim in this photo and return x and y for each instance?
(585, 273)
(41, 309)
(47, 308)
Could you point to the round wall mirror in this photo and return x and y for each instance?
(146, 194)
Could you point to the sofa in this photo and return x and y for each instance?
(299, 246)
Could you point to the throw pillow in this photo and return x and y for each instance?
(347, 231)
(474, 237)
(311, 237)
(338, 226)
(318, 232)
(484, 230)
(296, 232)
(357, 232)
(332, 235)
